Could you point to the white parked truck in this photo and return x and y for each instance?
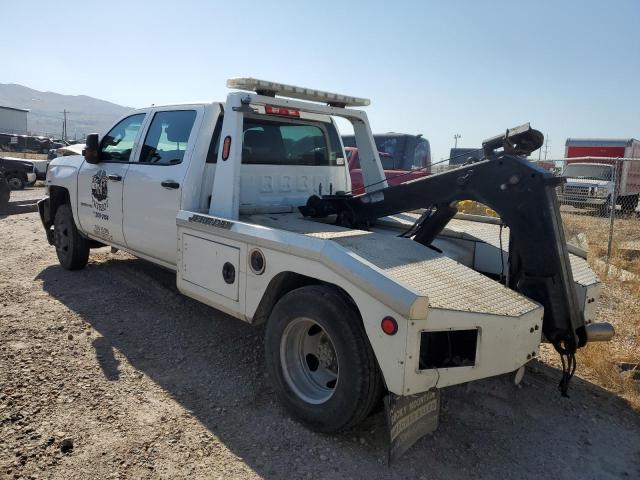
(248, 202)
(601, 173)
(601, 183)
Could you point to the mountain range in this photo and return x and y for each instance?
(85, 114)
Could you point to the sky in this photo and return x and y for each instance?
(571, 68)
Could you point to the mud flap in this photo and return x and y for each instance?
(410, 418)
(44, 209)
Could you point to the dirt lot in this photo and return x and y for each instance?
(145, 383)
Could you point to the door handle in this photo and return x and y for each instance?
(114, 177)
(170, 184)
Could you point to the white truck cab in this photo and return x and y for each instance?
(217, 192)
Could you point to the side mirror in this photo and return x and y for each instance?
(91, 148)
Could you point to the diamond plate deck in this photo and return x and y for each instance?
(490, 234)
(446, 283)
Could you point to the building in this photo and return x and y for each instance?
(13, 120)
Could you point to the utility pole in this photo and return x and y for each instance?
(546, 146)
(64, 125)
(540, 151)
(455, 138)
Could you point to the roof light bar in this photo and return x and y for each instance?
(265, 87)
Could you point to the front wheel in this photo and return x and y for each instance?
(629, 204)
(71, 247)
(319, 359)
(604, 209)
(15, 182)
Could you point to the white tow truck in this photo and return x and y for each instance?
(248, 201)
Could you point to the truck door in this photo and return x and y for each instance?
(100, 185)
(153, 190)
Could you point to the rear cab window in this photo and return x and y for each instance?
(276, 141)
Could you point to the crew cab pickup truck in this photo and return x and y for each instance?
(246, 201)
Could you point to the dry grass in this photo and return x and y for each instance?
(619, 300)
(620, 295)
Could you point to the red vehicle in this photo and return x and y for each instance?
(394, 176)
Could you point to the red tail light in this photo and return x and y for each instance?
(226, 147)
(389, 325)
(282, 111)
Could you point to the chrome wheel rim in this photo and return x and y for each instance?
(309, 361)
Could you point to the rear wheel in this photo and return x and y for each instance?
(320, 361)
(71, 247)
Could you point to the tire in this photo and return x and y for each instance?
(15, 182)
(316, 326)
(603, 210)
(71, 247)
(629, 204)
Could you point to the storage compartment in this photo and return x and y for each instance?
(448, 349)
(211, 265)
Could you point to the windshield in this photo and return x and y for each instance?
(598, 172)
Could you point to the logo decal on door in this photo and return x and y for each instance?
(100, 190)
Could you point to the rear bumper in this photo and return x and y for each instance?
(582, 201)
(498, 345)
(44, 209)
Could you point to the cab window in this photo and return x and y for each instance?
(422, 153)
(167, 138)
(116, 145)
(285, 143)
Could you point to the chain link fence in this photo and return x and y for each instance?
(599, 207)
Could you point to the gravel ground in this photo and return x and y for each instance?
(110, 373)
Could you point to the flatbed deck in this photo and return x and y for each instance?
(457, 288)
(489, 233)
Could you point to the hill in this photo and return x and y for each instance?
(86, 114)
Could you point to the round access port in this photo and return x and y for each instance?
(257, 261)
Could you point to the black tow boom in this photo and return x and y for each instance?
(524, 197)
